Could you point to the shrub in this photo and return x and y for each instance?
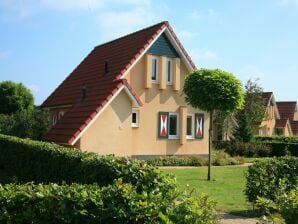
(262, 178)
(248, 149)
(289, 139)
(43, 162)
(116, 203)
(219, 158)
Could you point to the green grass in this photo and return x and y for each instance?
(226, 186)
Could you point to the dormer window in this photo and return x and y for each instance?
(169, 76)
(154, 70)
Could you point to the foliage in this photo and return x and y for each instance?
(116, 203)
(252, 112)
(286, 204)
(14, 97)
(225, 123)
(43, 162)
(243, 130)
(25, 124)
(264, 176)
(247, 149)
(211, 90)
(219, 158)
(287, 139)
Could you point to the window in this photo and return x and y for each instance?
(279, 131)
(169, 71)
(173, 125)
(135, 119)
(154, 70)
(189, 126)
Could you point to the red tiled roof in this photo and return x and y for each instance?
(286, 109)
(281, 123)
(120, 55)
(266, 97)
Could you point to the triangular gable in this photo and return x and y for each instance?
(163, 47)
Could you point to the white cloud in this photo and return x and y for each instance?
(199, 15)
(33, 88)
(289, 2)
(4, 54)
(251, 72)
(185, 34)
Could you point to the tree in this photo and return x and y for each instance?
(252, 112)
(211, 90)
(15, 97)
(25, 124)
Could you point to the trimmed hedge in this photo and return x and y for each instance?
(43, 162)
(292, 139)
(247, 149)
(262, 178)
(116, 203)
(219, 158)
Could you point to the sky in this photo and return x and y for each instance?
(42, 41)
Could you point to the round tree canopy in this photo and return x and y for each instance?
(213, 89)
(15, 97)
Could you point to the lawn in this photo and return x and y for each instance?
(226, 186)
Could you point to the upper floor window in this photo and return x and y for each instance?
(154, 70)
(135, 119)
(169, 71)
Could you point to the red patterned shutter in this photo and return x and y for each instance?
(163, 118)
(199, 125)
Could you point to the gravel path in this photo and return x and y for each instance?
(232, 219)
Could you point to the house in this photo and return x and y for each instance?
(280, 118)
(125, 98)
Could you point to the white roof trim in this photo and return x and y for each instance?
(124, 87)
(173, 42)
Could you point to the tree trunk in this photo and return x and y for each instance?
(210, 145)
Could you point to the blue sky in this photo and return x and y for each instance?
(42, 41)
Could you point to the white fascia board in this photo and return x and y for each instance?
(178, 49)
(142, 54)
(103, 109)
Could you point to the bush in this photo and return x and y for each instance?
(289, 139)
(219, 158)
(248, 149)
(262, 178)
(116, 203)
(43, 162)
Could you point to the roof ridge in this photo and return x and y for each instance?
(135, 32)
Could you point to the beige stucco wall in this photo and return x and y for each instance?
(269, 122)
(296, 116)
(112, 133)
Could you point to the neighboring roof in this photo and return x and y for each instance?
(287, 109)
(281, 123)
(120, 54)
(267, 97)
(294, 125)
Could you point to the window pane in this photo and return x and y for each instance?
(154, 64)
(169, 78)
(173, 125)
(189, 125)
(134, 117)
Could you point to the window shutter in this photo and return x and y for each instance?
(163, 120)
(199, 125)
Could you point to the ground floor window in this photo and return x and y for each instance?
(190, 126)
(173, 125)
(135, 118)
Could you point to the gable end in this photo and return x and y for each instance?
(163, 47)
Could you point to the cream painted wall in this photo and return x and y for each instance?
(112, 133)
(269, 122)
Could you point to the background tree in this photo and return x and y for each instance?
(15, 97)
(252, 112)
(212, 90)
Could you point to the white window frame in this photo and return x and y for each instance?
(177, 128)
(136, 124)
(154, 59)
(171, 71)
(192, 136)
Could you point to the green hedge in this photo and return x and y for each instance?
(219, 158)
(262, 178)
(292, 139)
(116, 203)
(247, 149)
(43, 162)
